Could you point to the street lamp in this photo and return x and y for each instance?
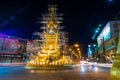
(75, 50)
(76, 45)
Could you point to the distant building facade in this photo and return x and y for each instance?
(108, 40)
(12, 48)
(91, 50)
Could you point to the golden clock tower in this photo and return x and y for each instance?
(50, 45)
(54, 41)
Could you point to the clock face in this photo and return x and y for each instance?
(51, 32)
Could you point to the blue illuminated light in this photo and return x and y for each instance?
(82, 69)
(89, 49)
(96, 31)
(94, 45)
(8, 36)
(100, 25)
(98, 28)
(89, 46)
(110, 0)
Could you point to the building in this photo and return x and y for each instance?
(108, 40)
(12, 49)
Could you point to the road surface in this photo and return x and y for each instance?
(82, 72)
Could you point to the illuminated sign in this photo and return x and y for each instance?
(105, 35)
(9, 46)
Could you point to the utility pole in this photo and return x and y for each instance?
(104, 59)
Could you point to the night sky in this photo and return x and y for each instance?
(81, 17)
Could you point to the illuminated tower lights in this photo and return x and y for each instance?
(53, 41)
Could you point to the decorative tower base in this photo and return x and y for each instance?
(37, 63)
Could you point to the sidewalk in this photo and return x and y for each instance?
(12, 64)
(106, 65)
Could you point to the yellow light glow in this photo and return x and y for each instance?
(78, 49)
(76, 45)
(69, 49)
(50, 51)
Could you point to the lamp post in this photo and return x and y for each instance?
(103, 57)
(77, 46)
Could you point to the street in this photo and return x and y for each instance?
(81, 72)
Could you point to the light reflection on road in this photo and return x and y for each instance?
(86, 68)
